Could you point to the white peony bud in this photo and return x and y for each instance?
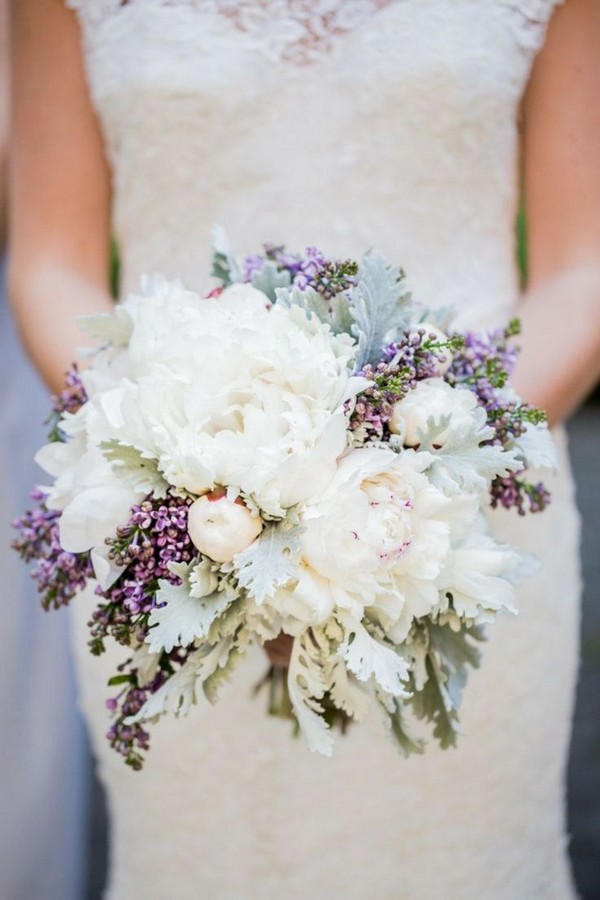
(433, 399)
(220, 527)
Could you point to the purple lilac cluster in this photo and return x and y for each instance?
(416, 356)
(69, 400)
(130, 739)
(155, 536)
(327, 277)
(59, 575)
(484, 365)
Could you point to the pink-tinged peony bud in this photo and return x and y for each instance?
(220, 528)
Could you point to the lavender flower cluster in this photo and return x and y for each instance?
(327, 277)
(155, 535)
(419, 355)
(69, 400)
(484, 365)
(59, 575)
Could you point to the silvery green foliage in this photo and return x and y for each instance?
(232, 630)
(335, 312)
(396, 727)
(464, 461)
(380, 307)
(222, 674)
(184, 618)
(366, 657)
(347, 692)
(269, 562)
(140, 472)
(178, 694)
(341, 318)
(307, 684)
(308, 299)
(270, 279)
(448, 656)
(225, 267)
(113, 328)
(442, 317)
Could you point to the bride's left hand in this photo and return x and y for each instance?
(279, 650)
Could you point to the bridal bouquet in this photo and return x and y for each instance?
(305, 450)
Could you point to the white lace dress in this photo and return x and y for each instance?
(344, 124)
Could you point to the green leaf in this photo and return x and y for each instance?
(379, 305)
(213, 684)
(270, 278)
(183, 618)
(369, 658)
(224, 264)
(465, 461)
(341, 318)
(140, 471)
(451, 654)
(309, 300)
(405, 743)
(120, 679)
(307, 685)
(270, 561)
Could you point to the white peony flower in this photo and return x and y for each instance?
(433, 399)
(230, 391)
(219, 527)
(377, 538)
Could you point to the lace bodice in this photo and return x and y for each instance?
(385, 122)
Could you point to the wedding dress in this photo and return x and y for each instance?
(343, 124)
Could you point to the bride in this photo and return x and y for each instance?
(346, 124)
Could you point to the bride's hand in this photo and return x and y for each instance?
(279, 650)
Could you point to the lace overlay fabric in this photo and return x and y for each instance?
(347, 124)
(300, 30)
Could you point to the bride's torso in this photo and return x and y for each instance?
(346, 124)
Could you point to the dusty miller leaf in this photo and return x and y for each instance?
(450, 655)
(269, 562)
(398, 733)
(176, 695)
(183, 618)
(380, 307)
(224, 264)
(213, 684)
(464, 461)
(341, 318)
(308, 299)
(368, 658)
(139, 471)
(346, 690)
(307, 685)
(270, 278)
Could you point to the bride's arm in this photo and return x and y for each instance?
(59, 189)
(560, 359)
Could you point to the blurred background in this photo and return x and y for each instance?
(53, 835)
